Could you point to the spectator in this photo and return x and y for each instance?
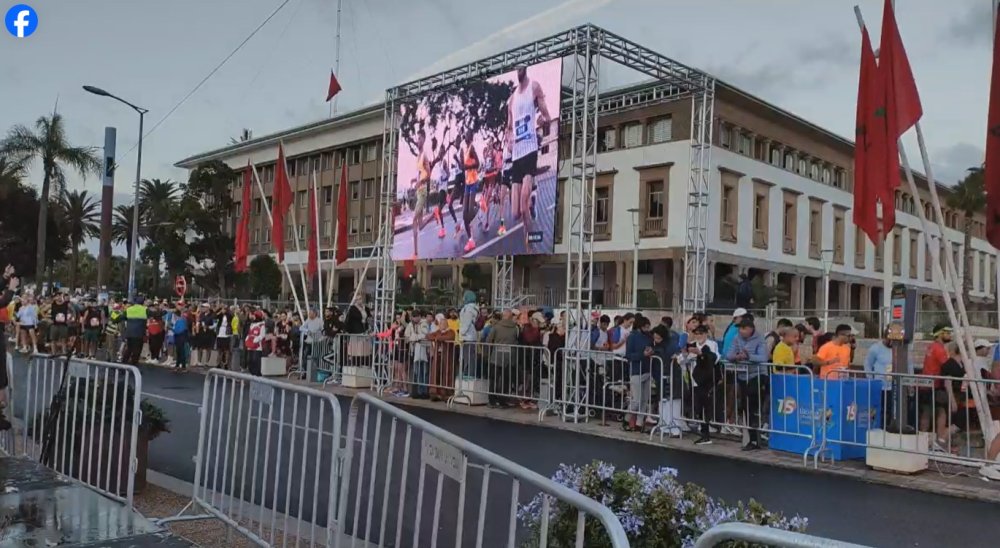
(227, 323)
(154, 332)
(732, 330)
(639, 350)
(934, 358)
(27, 321)
(835, 355)
(504, 334)
(744, 292)
(468, 334)
(952, 411)
(618, 336)
(785, 354)
(181, 335)
(531, 336)
(749, 352)
(442, 359)
(878, 363)
(705, 373)
(59, 331)
(819, 337)
(253, 344)
(416, 335)
(774, 337)
(136, 316)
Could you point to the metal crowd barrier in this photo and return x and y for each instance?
(606, 386)
(258, 440)
(347, 360)
(7, 437)
(82, 419)
(945, 432)
(449, 503)
(745, 534)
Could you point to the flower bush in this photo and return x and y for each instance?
(655, 509)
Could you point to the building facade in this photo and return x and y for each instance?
(780, 210)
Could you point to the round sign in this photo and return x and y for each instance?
(180, 286)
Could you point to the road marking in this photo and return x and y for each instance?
(175, 400)
(510, 231)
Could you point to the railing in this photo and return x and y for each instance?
(7, 437)
(82, 419)
(450, 503)
(745, 534)
(258, 440)
(653, 226)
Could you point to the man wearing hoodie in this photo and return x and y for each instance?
(502, 337)
(416, 335)
(468, 336)
(749, 353)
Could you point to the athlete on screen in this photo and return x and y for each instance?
(470, 163)
(441, 175)
(425, 164)
(526, 113)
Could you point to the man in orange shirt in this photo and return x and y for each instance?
(835, 355)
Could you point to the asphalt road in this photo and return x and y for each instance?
(844, 509)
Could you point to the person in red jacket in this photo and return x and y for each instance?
(254, 341)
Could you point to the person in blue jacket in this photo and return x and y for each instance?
(749, 354)
(638, 351)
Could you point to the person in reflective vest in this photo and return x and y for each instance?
(136, 316)
(254, 342)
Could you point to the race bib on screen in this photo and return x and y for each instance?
(521, 129)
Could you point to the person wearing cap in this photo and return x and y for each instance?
(749, 352)
(732, 330)
(136, 316)
(503, 336)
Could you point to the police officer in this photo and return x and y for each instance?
(136, 316)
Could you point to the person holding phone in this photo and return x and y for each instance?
(639, 352)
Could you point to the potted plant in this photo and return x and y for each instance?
(654, 508)
(98, 452)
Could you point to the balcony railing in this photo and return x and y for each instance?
(760, 239)
(859, 260)
(789, 245)
(879, 261)
(602, 230)
(728, 233)
(653, 226)
(814, 251)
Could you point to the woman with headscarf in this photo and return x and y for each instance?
(443, 359)
(359, 347)
(467, 334)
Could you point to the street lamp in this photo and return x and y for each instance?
(635, 257)
(138, 170)
(827, 257)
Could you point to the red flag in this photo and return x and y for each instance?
(334, 87)
(903, 107)
(341, 243)
(409, 268)
(281, 200)
(992, 171)
(865, 183)
(312, 267)
(243, 230)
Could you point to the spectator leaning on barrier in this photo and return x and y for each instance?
(774, 337)
(468, 335)
(785, 355)
(878, 362)
(703, 355)
(416, 335)
(254, 343)
(639, 350)
(732, 330)
(504, 334)
(835, 355)
(750, 353)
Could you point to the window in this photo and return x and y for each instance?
(354, 190)
(267, 173)
(789, 161)
(913, 254)
(354, 155)
(256, 206)
(826, 176)
(654, 209)
(661, 130)
(815, 229)
(859, 247)
(305, 166)
(290, 167)
(369, 224)
(802, 166)
(609, 139)
(985, 276)
(267, 235)
(353, 225)
(839, 178)
(633, 135)
(301, 232)
(745, 144)
(730, 211)
(879, 247)
(602, 215)
(814, 171)
(326, 161)
(838, 236)
(303, 198)
(776, 157)
(369, 188)
(328, 194)
(327, 229)
(760, 216)
(789, 223)
(645, 268)
(256, 235)
(371, 152)
(725, 136)
(237, 208)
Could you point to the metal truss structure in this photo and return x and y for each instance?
(503, 282)
(583, 48)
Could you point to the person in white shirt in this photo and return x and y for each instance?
(416, 335)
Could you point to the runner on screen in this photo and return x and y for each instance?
(425, 164)
(526, 112)
(470, 162)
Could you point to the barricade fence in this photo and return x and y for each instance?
(408, 482)
(267, 461)
(82, 418)
(7, 437)
(746, 534)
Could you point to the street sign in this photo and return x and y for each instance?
(180, 286)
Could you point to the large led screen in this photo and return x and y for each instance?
(476, 175)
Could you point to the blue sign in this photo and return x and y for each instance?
(21, 21)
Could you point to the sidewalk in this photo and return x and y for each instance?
(941, 479)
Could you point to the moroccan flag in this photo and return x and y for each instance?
(341, 243)
(866, 184)
(409, 268)
(992, 171)
(334, 87)
(281, 200)
(312, 267)
(903, 100)
(243, 230)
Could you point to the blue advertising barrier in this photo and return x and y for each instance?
(805, 410)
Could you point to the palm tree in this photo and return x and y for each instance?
(158, 201)
(48, 143)
(121, 229)
(969, 197)
(81, 213)
(11, 173)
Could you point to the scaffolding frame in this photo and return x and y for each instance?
(584, 47)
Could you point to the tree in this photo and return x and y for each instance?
(82, 218)
(164, 224)
(265, 277)
(19, 207)
(48, 144)
(481, 107)
(969, 197)
(121, 230)
(208, 205)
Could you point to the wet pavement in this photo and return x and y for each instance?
(40, 508)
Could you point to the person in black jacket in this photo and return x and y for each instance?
(704, 375)
(10, 284)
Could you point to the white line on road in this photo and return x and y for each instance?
(175, 400)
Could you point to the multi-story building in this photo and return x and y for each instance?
(780, 207)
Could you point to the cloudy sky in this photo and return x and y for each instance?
(799, 54)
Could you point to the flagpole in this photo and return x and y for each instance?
(944, 279)
(298, 251)
(316, 235)
(270, 219)
(336, 60)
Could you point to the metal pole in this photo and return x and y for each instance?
(107, 208)
(826, 293)
(135, 211)
(635, 274)
(336, 59)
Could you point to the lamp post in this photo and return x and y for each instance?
(827, 256)
(134, 252)
(635, 257)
